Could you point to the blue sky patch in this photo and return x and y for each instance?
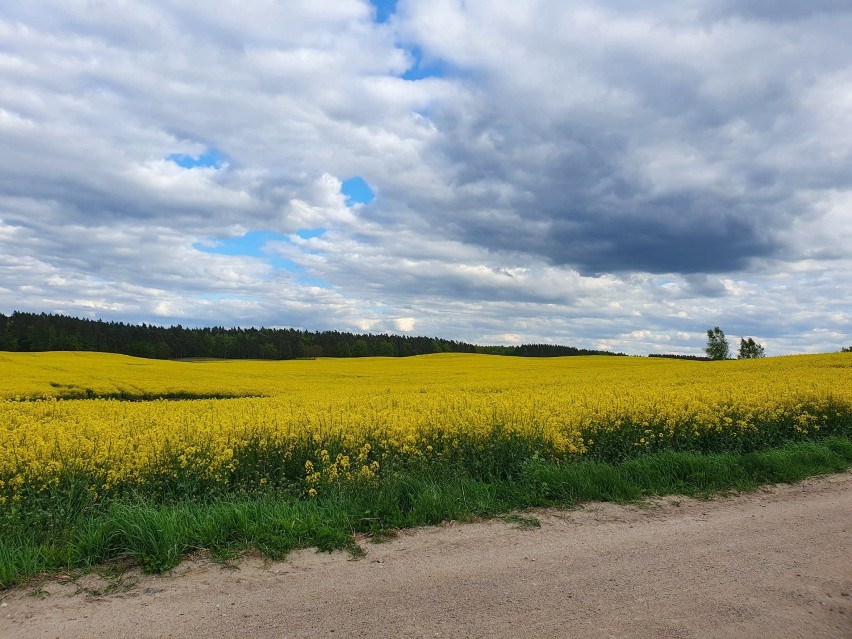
(357, 191)
(384, 9)
(422, 69)
(307, 234)
(253, 244)
(309, 280)
(210, 158)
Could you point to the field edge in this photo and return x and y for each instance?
(158, 536)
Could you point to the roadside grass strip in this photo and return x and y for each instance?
(158, 535)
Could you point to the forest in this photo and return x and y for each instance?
(31, 332)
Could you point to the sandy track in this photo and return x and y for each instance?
(775, 563)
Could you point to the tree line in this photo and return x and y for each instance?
(30, 332)
(696, 358)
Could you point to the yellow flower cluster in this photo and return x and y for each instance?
(328, 420)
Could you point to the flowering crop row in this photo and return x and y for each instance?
(306, 424)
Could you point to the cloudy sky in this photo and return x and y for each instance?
(608, 174)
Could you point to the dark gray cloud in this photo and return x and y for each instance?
(655, 143)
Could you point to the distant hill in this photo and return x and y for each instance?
(699, 358)
(30, 332)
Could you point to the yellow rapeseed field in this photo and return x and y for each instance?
(313, 422)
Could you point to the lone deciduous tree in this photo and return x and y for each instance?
(717, 344)
(749, 349)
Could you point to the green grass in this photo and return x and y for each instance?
(157, 535)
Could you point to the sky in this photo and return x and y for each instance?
(611, 174)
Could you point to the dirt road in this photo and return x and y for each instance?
(775, 563)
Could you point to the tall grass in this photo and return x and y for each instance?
(158, 532)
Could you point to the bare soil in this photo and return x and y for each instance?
(773, 563)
